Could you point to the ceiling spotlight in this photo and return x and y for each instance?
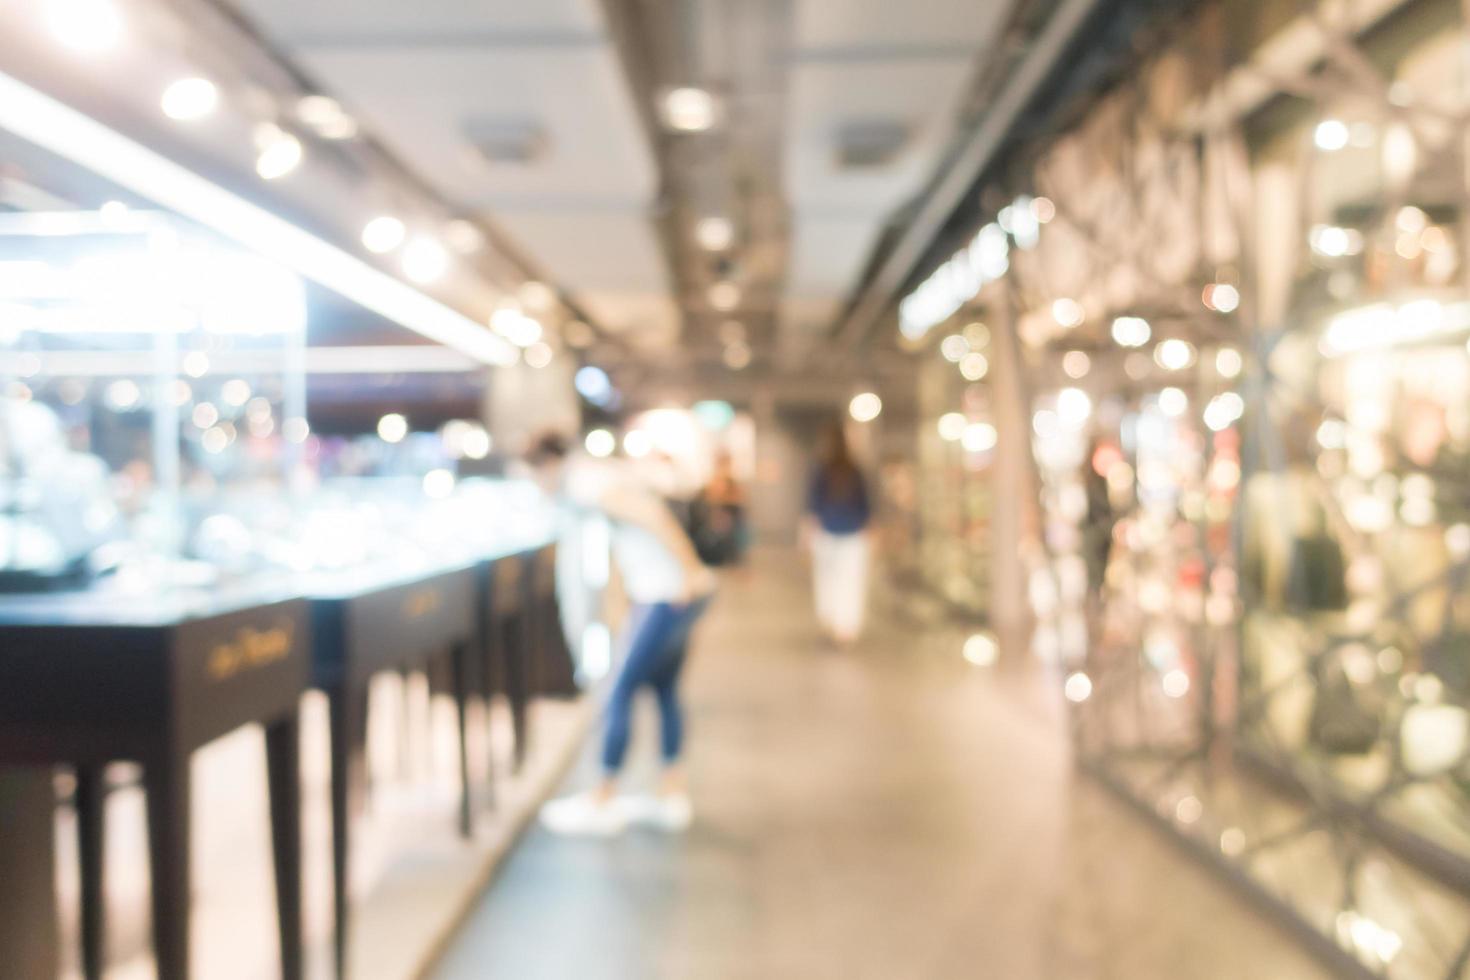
(600, 443)
(724, 296)
(536, 295)
(86, 26)
(714, 233)
(865, 407)
(424, 260)
(689, 110)
(539, 354)
(1331, 135)
(326, 117)
(392, 427)
(1131, 331)
(383, 234)
(1067, 312)
(190, 98)
(280, 152)
(737, 357)
(1174, 354)
(464, 237)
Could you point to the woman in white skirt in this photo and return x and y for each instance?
(838, 515)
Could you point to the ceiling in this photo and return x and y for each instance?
(582, 180)
(430, 79)
(866, 62)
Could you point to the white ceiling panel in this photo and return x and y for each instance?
(355, 22)
(876, 64)
(603, 249)
(421, 101)
(844, 24)
(922, 94)
(827, 253)
(634, 314)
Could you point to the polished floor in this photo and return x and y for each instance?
(885, 813)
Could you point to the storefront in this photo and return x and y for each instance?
(1241, 300)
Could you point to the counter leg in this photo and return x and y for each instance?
(459, 656)
(348, 711)
(91, 802)
(517, 683)
(283, 766)
(487, 698)
(166, 780)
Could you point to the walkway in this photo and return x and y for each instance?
(889, 813)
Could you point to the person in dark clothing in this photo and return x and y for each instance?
(839, 513)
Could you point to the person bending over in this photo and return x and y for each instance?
(669, 588)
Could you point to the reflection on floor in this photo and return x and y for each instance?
(890, 812)
(412, 875)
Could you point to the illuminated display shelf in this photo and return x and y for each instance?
(152, 403)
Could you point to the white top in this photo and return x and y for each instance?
(650, 572)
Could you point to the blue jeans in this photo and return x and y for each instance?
(658, 642)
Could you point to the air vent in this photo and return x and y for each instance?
(507, 141)
(866, 143)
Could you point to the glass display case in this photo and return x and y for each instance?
(1244, 323)
(152, 403)
(956, 439)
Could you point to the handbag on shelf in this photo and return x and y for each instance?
(1346, 718)
(1316, 575)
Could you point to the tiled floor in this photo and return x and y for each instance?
(886, 813)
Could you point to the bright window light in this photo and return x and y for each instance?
(82, 140)
(189, 99)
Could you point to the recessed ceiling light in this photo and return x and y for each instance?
(326, 117)
(424, 260)
(464, 237)
(87, 26)
(280, 152)
(714, 233)
(689, 110)
(536, 295)
(383, 234)
(131, 166)
(737, 357)
(724, 296)
(189, 99)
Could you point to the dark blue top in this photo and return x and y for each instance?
(845, 513)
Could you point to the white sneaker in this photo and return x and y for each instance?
(583, 815)
(673, 812)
